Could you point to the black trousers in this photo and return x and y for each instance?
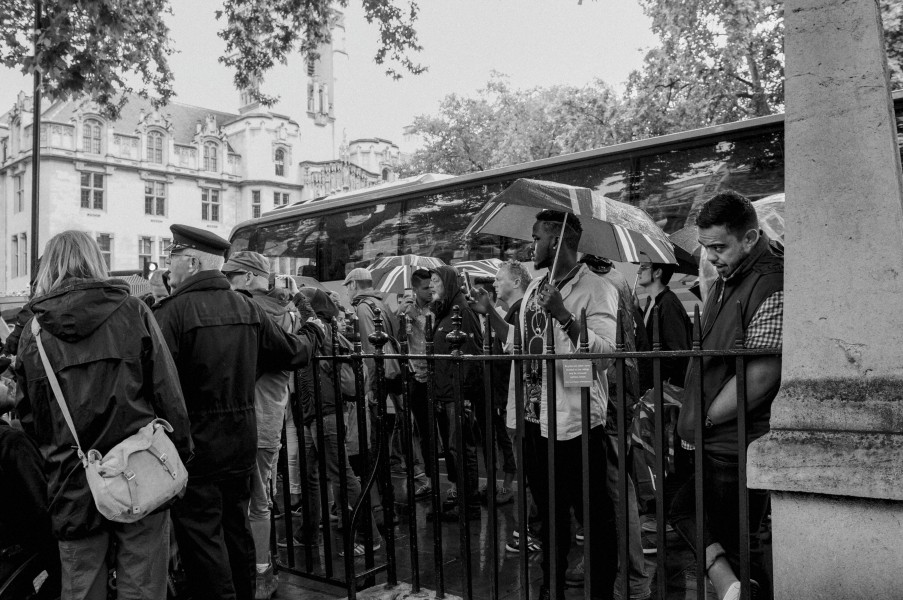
(417, 393)
(214, 536)
(569, 467)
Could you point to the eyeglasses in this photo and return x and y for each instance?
(645, 267)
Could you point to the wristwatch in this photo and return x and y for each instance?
(567, 324)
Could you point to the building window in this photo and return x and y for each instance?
(4, 150)
(155, 147)
(145, 251)
(92, 190)
(280, 162)
(255, 204)
(23, 254)
(164, 244)
(91, 136)
(14, 251)
(210, 205)
(20, 194)
(105, 242)
(280, 199)
(210, 156)
(155, 198)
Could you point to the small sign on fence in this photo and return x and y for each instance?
(578, 373)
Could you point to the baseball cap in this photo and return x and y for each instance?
(247, 261)
(358, 274)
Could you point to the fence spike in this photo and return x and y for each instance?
(697, 328)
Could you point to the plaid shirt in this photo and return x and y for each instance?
(765, 330)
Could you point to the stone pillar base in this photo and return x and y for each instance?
(836, 548)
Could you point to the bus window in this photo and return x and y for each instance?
(358, 237)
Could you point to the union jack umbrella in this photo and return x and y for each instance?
(395, 280)
(387, 262)
(486, 267)
(612, 229)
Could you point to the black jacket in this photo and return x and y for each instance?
(674, 334)
(444, 373)
(116, 375)
(220, 340)
(23, 504)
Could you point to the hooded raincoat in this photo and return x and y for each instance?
(116, 375)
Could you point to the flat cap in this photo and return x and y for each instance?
(358, 274)
(186, 236)
(249, 262)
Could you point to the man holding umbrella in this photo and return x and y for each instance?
(556, 300)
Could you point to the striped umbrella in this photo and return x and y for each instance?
(395, 280)
(611, 229)
(486, 267)
(415, 260)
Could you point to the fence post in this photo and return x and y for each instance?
(408, 441)
(699, 458)
(741, 457)
(433, 445)
(489, 453)
(378, 339)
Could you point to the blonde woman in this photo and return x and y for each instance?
(116, 375)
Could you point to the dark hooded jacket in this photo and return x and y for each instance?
(221, 341)
(444, 373)
(116, 375)
(325, 310)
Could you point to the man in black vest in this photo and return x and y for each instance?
(749, 289)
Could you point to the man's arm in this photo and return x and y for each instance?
(282, 351)
(482, 305)
(763, 375)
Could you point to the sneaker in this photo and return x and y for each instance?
(473, 512)
(503, 496)
(266, 584)
(422, 488)
(532, 545)
(579, 536)
(649, 526)
(359, 549)
(733, 592)
(573, 577)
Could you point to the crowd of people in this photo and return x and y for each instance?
(221, 349)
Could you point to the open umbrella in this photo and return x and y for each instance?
(612, 229)
(395, 280)
(305, 281)
(414, 260)
(486, 268)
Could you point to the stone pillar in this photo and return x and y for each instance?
(834, 457)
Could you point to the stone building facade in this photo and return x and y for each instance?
(126, 181)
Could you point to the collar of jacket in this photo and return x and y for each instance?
(74, 310)
(203, 280)
(381, 296)
(658, 298)
(270, 304)
(762, 247)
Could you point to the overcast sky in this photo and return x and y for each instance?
(535, 42)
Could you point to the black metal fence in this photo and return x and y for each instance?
(317, 556)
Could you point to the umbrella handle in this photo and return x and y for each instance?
(558, 248)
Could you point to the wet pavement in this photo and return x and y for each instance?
(679, 560)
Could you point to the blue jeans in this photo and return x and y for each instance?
(142, 561)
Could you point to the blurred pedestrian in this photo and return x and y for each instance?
(447, 294)
(248, 272)
(220, 340)
(116, 375)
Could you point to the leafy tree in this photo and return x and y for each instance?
(109, 49)
(502, 126)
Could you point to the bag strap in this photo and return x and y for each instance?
(55, 386)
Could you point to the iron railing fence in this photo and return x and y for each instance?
(317, 558)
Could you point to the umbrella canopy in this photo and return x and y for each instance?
(305, 281)
(415, 260)
(612, 229)
(486, 267)
(395, 280)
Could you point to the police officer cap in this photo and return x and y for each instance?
(186, 236)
